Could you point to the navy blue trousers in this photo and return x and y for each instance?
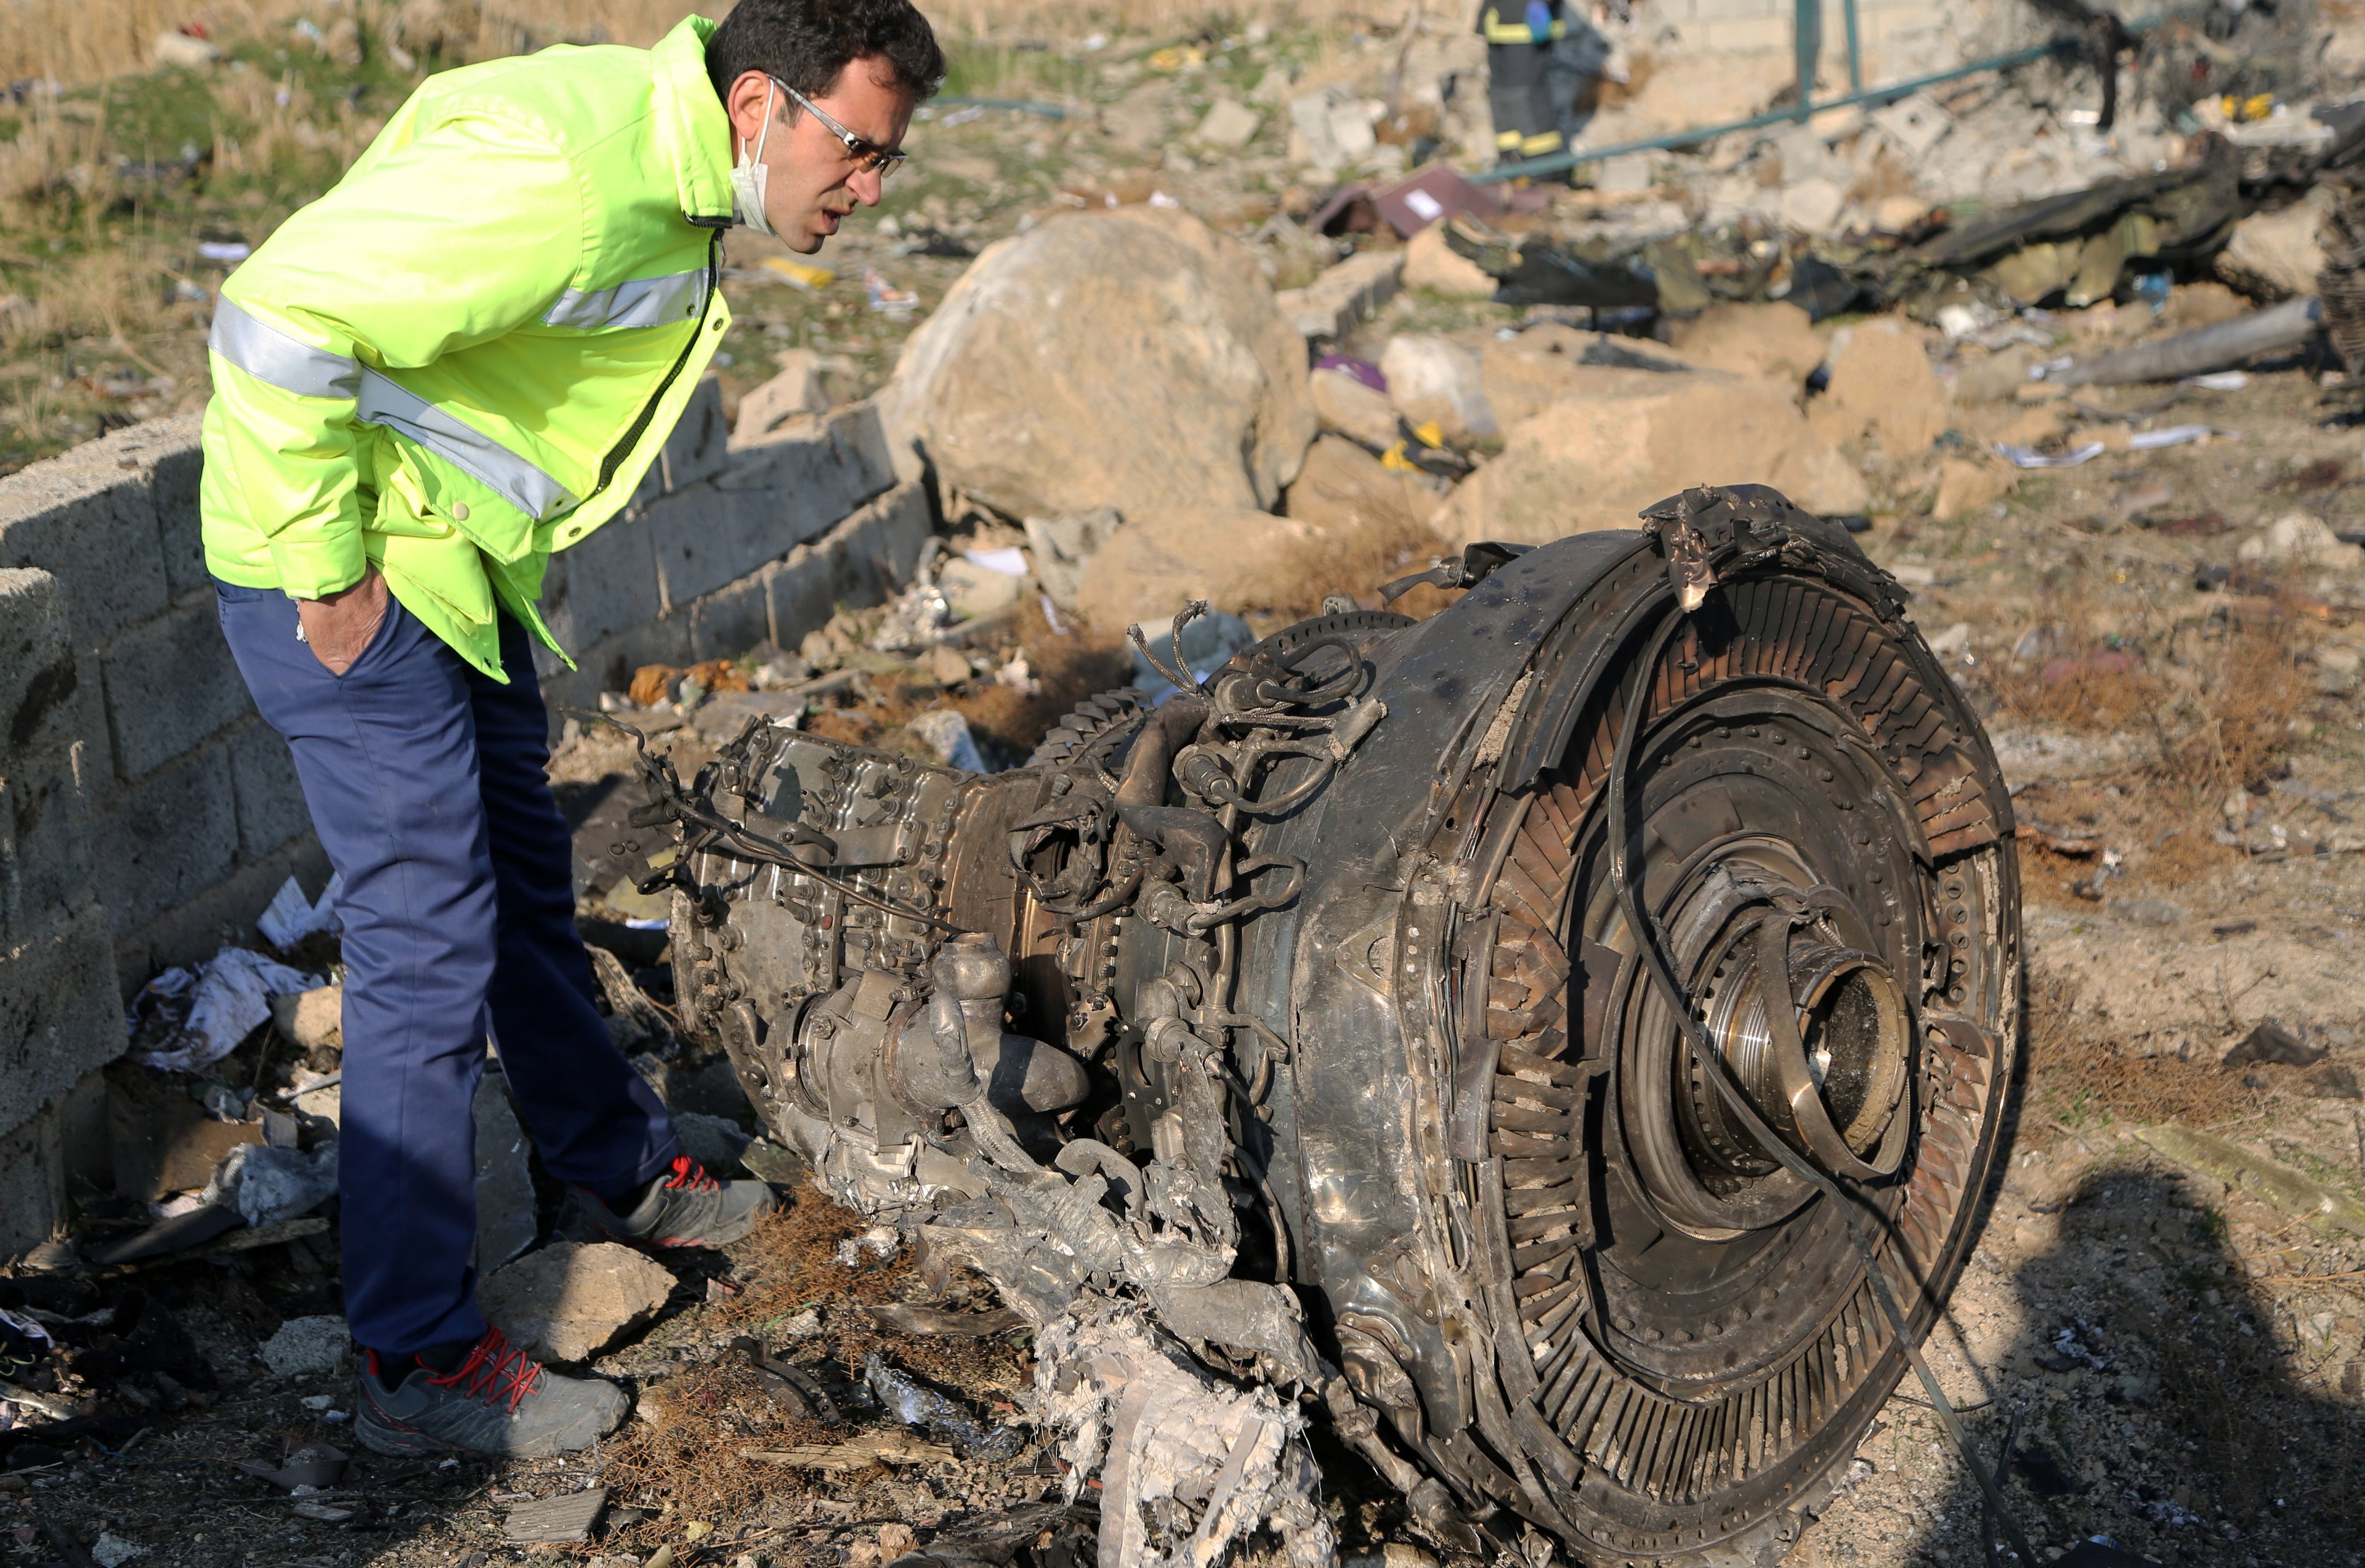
(426, 783)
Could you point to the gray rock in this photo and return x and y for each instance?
(505, 1209)
(308, 1346)
(2152, 912)
(1014, 392)
(312, 1018)
(569, 1302)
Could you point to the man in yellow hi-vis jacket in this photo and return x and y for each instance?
(460, 359)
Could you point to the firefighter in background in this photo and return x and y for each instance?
(1520, 38)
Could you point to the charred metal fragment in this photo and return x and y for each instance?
(1292, 1051)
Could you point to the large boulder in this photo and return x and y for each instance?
(2276, 255)
(1160, 560)
(1133, 359)
(1774, 341)
(1883, 388)
(1623, 439)
(1528, 372)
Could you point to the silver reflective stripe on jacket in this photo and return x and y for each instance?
(524, 485)
(643, 302)
(269, 354)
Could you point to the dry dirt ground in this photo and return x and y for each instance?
(2182, 1363)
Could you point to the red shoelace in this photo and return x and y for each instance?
(688, 1175)
(494, 1368)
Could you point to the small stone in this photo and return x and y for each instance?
(313, 1019)
(1432, 377)
(2152, 912)
(1229, 124)
(1813, 207)
(309, 1347)
(112, 1551)
(570, 1302)
(1348, 407)
(1432, 264)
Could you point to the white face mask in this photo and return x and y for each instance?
(749, 175)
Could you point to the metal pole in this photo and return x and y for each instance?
(1554, 163)
(1856, 48)
(1807, 46)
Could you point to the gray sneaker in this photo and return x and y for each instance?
(497, 1401)
(685, 1207)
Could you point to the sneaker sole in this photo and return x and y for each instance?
(381, 1434)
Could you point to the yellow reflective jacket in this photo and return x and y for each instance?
(467, 353)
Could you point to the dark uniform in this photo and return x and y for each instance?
(1520, 36)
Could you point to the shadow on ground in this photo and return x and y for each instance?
(2189, 1410)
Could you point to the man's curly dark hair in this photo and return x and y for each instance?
(807, 43)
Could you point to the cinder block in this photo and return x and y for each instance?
(45, 864)
(170, 684)
(180, 532)
(844, 566)
(168, 836)
(59, 1013)
(271, 809)
(603, 584)
(859, 437)
(92, 522)
(696, 450)
(773, 498)
(38, 677)
(733, 619)
(194, 929)
(664, 641)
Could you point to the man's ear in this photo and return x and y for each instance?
(744, 103)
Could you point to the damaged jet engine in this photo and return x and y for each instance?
(1510, 1037)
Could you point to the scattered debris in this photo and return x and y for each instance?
(316, 1466)
(2272, 1041)
(887, 1447)
(180, 1020)
(567, 1517)
(308, 1346)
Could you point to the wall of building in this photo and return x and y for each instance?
(147, 813)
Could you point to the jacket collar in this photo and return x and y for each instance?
(696, 135)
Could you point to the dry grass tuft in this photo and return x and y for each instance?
(2077, 1076)
(682, 1455)
(2220, 702)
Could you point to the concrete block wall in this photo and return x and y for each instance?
(60, 1017)
(193, 800)
(147, 813)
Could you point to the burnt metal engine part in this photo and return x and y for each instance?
(1319, 1030)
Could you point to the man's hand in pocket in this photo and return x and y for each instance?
(342, 626)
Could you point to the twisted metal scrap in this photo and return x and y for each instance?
(1189, 1464)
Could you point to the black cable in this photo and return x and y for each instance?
(1654, 946)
